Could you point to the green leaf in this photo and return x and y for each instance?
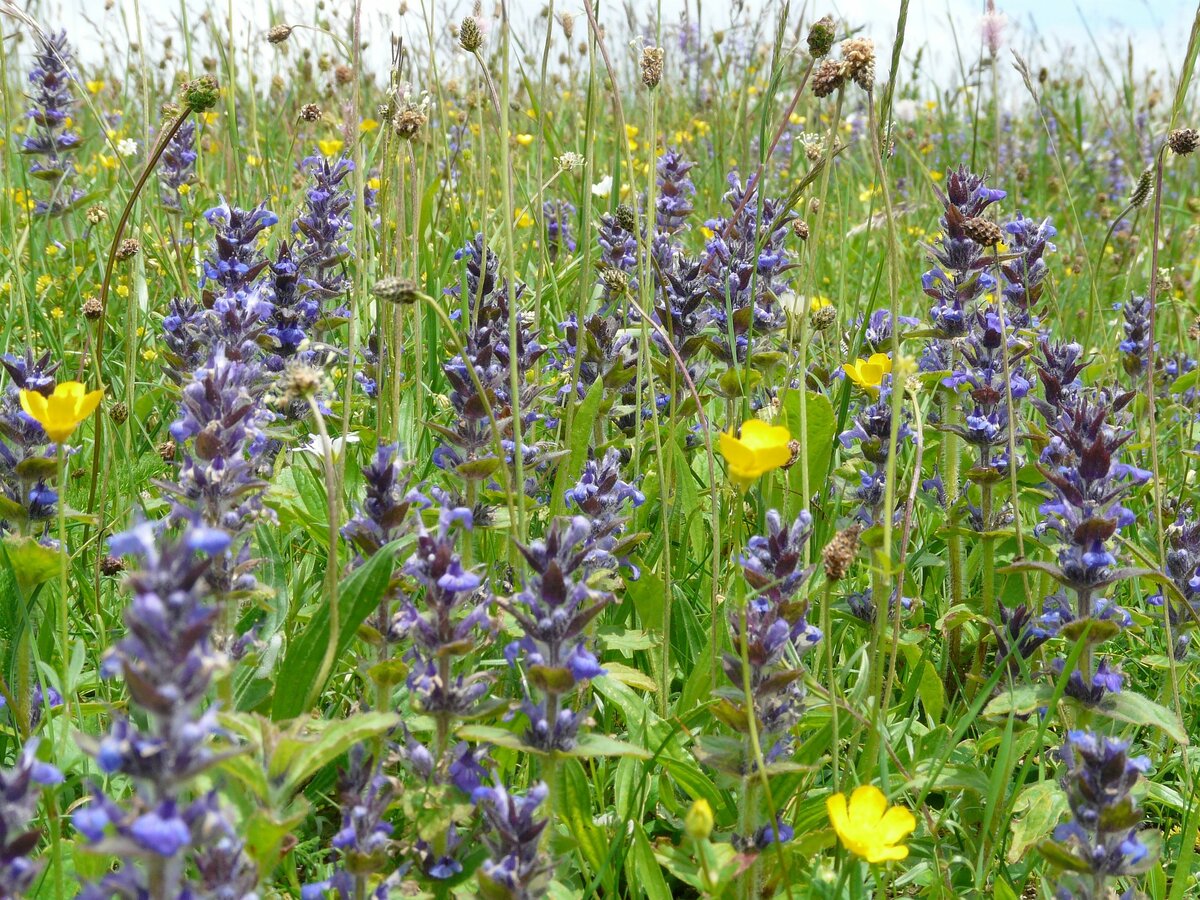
(644, 870)
(595, 745)
(578, 442)
(1132, 707)
(32, 563)
(815, 436)
(1040, 806)
(265, 833)
(358, 596)
(489, 734)
(575, 809)
(314, 753)
(1020, 701)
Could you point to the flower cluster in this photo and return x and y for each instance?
(673, 206)
(515, 868)
(168, 663)
(1024, 269)
(177, 165)
(453, 612)
(51, 138)
(606, 500)
(769, 634)
(219, 433)
(27, 500)
(19, 792)
(235, 261)
(1101, 840)
(364, 843)
(1085, 512)
(871, 427)
(1135, 348)
(558, 215)
(958, 277)
(324, 226)
(554, 609)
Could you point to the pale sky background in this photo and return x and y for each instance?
(1158, 29)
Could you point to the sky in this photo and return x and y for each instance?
(1044, 29)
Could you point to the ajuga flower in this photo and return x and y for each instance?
(554, 609)
(557, 215)
(26, 459)
(757, 449)
(868, 827)
(235, 260)
(50, 137)
(515, 868)
(1135, 348)
(168, 662)
(177, 165)
(19, 791)
(324, 226)
(1101, 840)
(676, 191)
(606, 500)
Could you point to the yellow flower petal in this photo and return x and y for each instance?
(760, 435)
(867, 805)
(897, 824)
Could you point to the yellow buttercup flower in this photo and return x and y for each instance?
(866, 825)
(330, 146)
(524, 139)
(61, 412)
(761, 448)
(868, 373)
(366, 126)
(819, 302)
(94, 87)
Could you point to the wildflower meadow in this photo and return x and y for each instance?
(596, 453)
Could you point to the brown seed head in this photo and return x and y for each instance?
(310, 112)
(128, 250)
(652, 66)
(982, 232)
(858, 56)
(828, 78)
(1183, 141)
(92, 309)
(395, 289)
(166, 451)
(111, 565)
(279, 33)
(118, 412)
(839, 553)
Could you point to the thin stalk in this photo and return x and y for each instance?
(331, 569)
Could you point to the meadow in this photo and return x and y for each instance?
(605, 455)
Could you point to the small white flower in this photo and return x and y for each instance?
(316, 445)
(603, 187)
(127, 146)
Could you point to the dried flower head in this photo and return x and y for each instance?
(301, 382)
(982, 232)
(310, 112)
(1183, 141)
(166, 451)
(343, 74)
(567, 21)
(652, 66)
(279, 33)
(395, 289)
(111, 565)
(410, 119)
(840, 552)
(625, 218)
(119, 413)
(129, 248)
(828, 78)
(800, 229)
(820, 37)
(615, 282)
(823, 318)
(92, 308)
(858, 59)
(96, 214)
